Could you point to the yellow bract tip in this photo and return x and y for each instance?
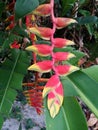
(31, 48)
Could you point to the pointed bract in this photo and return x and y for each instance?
(63, 22)
(61, 42)
(15, 45)
(55, 100)
(61, 56)
(10, 18)
(43, 10)
(64, 70)
(11, 26)
(52, 83)
(41, 49)
(43, 66)
(43, 32)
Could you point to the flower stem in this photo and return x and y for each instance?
(52, 37)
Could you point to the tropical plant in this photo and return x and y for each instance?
(57, 76)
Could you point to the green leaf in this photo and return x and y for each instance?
(2, 7)
(68, 87)
(41, 1)
(87, 89)
(92, 72)
(70, 117)
(67, 5)
(24, 7)
(12, 72)
(87, 20)
(20, 31)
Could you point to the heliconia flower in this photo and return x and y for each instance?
(33, 37)
(63, 22)
(61, 56)
(15, 45)
(55, 100)
(54, 90)
(61, 42)
(52, 83)
(11, 26)
(10, 6)
(43, 32)
(64, 70)
(41, 49)
(29, 19)
(43, 66)
(10, 18)
(43, 10)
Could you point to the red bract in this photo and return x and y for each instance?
(43, 10)
(41, 49)
(55, 100)
(64, 70)
(29, 19)
(10, 6)
(32, 37)
(54, 90)
(43, 66)
(52, 83)
(43, 32)
(61, 42)
(60, 56)
(34, 98)
(63, 22)
(15, 45)
(10, 18)
(11, 26)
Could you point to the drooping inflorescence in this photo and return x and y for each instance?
(53, 87)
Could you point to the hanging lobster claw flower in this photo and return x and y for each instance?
(15, 45)
(64, 70)
(63, 22)
(61, 42)
(29, 19)
(43, 66)
(43, 10)
(41, 49)
(11, 26)
(55, 100)
(61, 56)
(10, 6)
(43, 32)
(52, 83)
(10, 18)
(33, 37)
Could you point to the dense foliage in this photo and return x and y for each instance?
(33, 60)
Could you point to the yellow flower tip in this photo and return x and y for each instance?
(31, 48)
(54, 110)
(7, 28)
(34, 67)
(73, 68)
(33, 30)
(33, 17)
(73, 21)
(71, 56)
(46, 91)
(69, 42)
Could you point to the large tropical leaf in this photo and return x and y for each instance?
(23, 7)
(87, 89)
(92, 72)
(70, 117)
(12, 72)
